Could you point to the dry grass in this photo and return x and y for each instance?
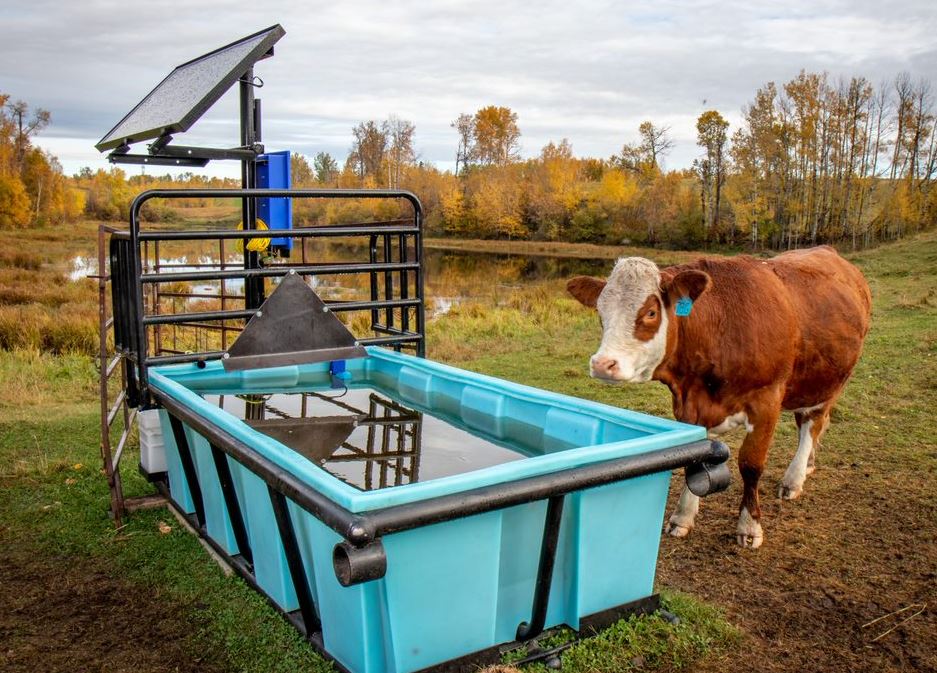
(555, 249)
(19, 259)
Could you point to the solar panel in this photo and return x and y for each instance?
(188, 91)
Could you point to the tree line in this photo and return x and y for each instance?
(33, 190)
(813, 161)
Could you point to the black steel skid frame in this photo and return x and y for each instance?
(360, 557)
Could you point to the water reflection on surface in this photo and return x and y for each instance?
(366, 438)
(450, 277)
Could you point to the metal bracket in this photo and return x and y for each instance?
(293, 326)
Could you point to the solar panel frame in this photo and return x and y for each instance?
(119, 135)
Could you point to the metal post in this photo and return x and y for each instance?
(188, 468)
(253, 287)
(231, 503)
(117, 501)
(551, 535)
(294, 561)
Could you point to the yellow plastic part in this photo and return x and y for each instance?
(254, 244)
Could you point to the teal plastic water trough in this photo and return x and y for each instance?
(403, 578)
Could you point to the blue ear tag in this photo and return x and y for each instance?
(684, 306)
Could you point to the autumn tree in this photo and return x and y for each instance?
(32, 187)
(367, 150)
(26, 125)
(555, 190)
(711, 129)
(301, 174)
(400, 153)
(644, 157)
(326, 168)
(465, 127)
(655, 142)
(496, 136)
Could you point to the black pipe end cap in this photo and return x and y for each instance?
(356, 565)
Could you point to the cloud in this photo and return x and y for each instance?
(587, 71)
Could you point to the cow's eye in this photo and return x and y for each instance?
(651, 314)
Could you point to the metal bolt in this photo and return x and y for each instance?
(292, 272)
(259, 314)
(357, 343)
(226, 356)
(325, 309)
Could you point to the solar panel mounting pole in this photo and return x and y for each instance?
(253, 286)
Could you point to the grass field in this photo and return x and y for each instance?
(865, 526)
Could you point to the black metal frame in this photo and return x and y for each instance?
(129, 279)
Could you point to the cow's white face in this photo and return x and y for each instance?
(633, 305)
(634, 325)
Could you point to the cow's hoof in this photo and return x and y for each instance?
(748, 534)
(679, 526)
(676, 530)
(789, 492)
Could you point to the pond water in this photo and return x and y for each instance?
(451, 277)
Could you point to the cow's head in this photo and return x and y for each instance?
(635, 306)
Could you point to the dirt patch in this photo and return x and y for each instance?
(68, 614)
(855, 547)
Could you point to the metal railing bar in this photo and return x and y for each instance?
(327, 231)
(234, 314)
(317, 269)
(121, 443)
(118, 404)
(111, 366)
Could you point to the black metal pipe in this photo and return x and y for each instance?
(388, 283)
(399, 518)
(318, 232)
(143, 197)
(246, 572)
(356, 565)
(253, 287)
(361, 529)
(271, 272)
(205, 356)
(372, 259)
(551, 536)
(294, 560)
(232, 314)
(231, 503)
(188, 468)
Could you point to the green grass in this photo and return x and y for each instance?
(55, 500)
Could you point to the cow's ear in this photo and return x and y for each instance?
(690, 283)
(585, 289)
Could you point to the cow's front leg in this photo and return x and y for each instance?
(682, 520)
(763, 419)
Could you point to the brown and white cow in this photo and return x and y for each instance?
(761, 336)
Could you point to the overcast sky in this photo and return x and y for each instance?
(586, 71)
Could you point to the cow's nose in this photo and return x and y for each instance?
(604, 366)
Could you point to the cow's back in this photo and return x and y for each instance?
(833, 306)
